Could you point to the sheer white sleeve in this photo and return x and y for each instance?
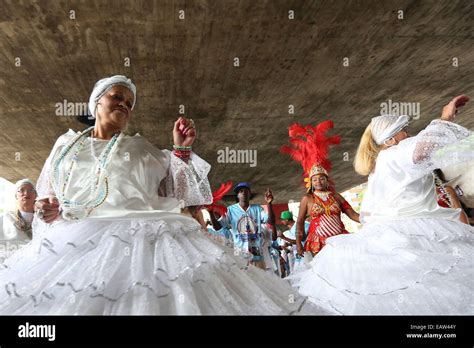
(43, 184)
(188, 182)
(439, 145)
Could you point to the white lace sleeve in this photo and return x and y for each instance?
(188, 181)
(43, 184)
(439, 145)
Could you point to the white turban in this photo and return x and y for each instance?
(23, 182)
(385, 127)
(103, 85)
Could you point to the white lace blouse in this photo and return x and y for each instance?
(402, 185)
(142, 179)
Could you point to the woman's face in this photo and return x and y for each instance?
(319, 182)
(114, 108)
(26, 195)
(403, 134)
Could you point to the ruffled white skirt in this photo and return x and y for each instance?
(414, 266)
(138, 266)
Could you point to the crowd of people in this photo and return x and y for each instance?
(103, 235)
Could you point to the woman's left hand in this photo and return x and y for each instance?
(184, 132)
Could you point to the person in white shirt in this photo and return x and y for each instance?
(15, 226)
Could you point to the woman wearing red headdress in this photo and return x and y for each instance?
(324, 208)
(321, 202)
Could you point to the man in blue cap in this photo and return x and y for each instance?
(246, 222)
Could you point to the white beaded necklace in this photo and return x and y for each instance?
(99, 185)
(322, 194)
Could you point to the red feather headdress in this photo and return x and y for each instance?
(217, 196)
(309, 146)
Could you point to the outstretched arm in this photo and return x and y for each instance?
(347, 209)
(271, 213)
(451, 109)
(274, 231)
(187, 175)
(286, 239)
(440, 132)
(216, 225)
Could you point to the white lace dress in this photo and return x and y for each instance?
(135, 254)
(411, 256)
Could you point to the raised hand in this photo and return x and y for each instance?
(450, 110)
(184, 132)
(268, 196)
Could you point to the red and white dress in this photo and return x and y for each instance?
(325, 220)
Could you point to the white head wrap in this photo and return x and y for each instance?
(103, 85)
(23, 182)
(386, 126)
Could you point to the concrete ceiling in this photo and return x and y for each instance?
(190, 62)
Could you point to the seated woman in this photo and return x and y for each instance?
(15, 226)
(411, 257)
(111, 239)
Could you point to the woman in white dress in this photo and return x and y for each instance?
(411, 256)
(110, 238)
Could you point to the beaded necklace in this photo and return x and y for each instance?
(322, 194)
(73, 210)
(445, 196)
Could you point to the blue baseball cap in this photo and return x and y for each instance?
(241, 185)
